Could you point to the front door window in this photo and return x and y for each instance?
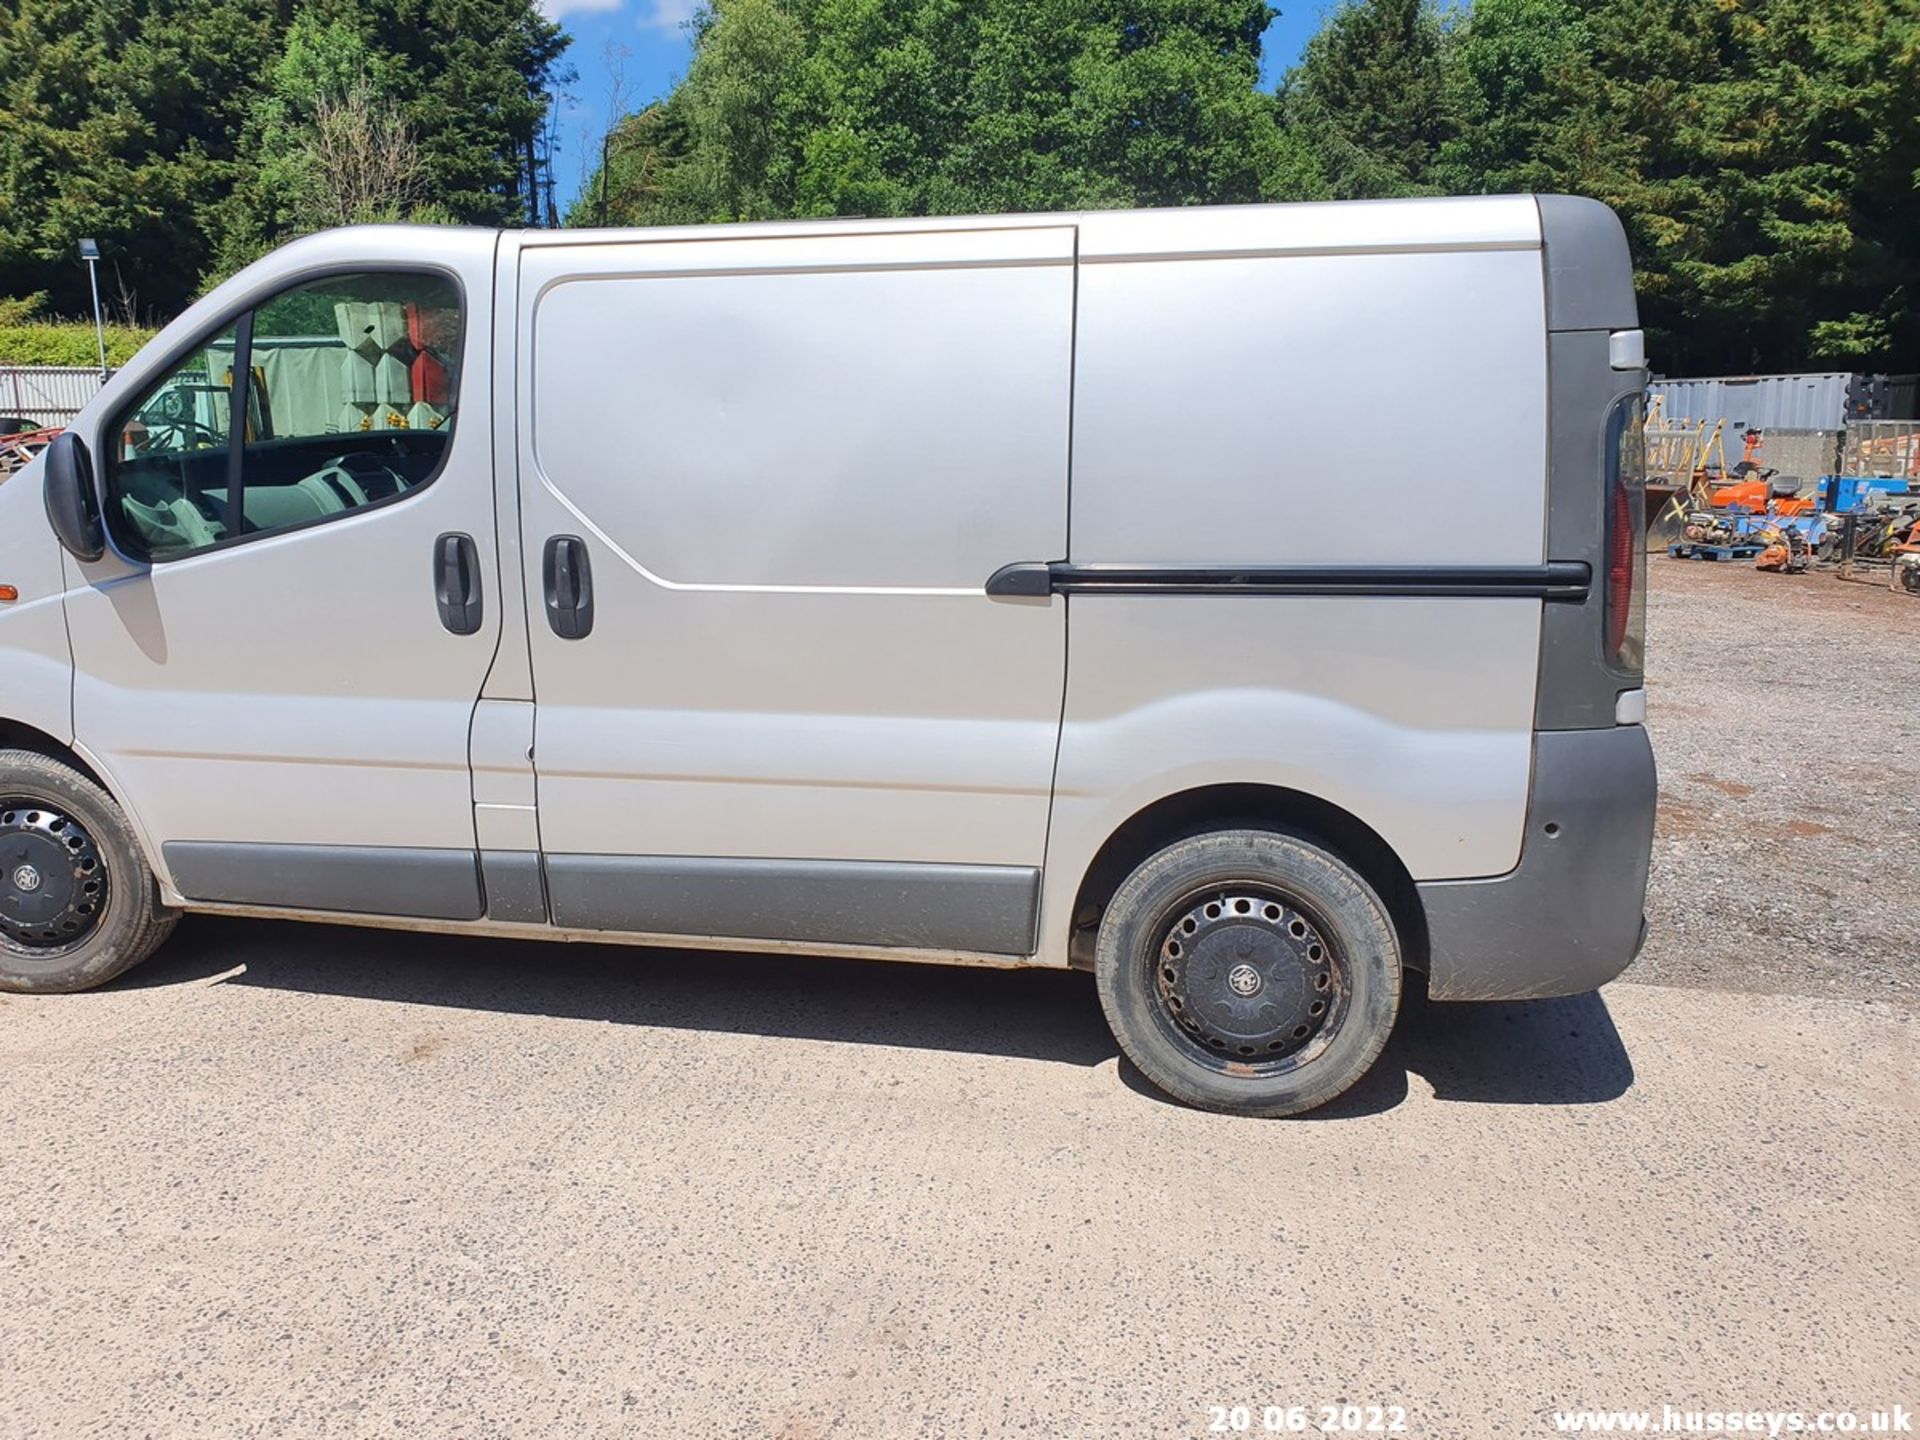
(346, 398)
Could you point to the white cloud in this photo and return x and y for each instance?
(669, 14)
(556, 8)
(659, 14)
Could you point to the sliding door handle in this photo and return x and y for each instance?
(567, 575)
(456, 583)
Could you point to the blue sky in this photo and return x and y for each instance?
(630, 52)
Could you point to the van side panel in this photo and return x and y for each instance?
(794, 462)
(1312, 410)
(1169, 693)
(36, 664)
(1307, 409)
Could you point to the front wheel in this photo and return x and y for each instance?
(1249, 971)
(78, 905)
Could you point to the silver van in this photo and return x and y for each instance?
(1242, 604)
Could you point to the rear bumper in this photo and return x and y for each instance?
(1570, 916)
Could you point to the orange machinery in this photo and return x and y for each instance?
(1906, 563)
(1753, 491)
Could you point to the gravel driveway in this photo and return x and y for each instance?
(303, 1182)
(1785, 713)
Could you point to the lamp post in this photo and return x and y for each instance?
(90, 252)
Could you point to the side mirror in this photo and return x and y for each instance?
(73, 507)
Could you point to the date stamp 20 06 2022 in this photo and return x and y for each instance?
(1307, 1419)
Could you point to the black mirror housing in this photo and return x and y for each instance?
(73, 506)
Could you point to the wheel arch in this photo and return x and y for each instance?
(1256, 807)
(17, 735)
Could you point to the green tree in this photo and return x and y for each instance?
(120, 122)
(138, 123)
(743, 97)
(1370, 97)
(331, 147)
(1765, 156)
(1507, 66)
(898, 107)
(1134, 104)
(474, 79)
(1169, 104)
(640, 153)
(886, 97)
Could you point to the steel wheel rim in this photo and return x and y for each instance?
(53, 880)
(1247, 979)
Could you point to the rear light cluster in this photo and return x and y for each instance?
(1619, 571)
(1626, 577)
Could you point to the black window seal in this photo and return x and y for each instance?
(238, 388)
(294, 280)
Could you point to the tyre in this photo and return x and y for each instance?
(78, 905)
(1249, 971)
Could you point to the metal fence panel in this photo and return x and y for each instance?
(1676, 451)
(1803, 455)
(1884, 448)
(1759, 402)
(48, 394)
(1771, 402)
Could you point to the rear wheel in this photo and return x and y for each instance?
(1250, 972)
(78, 905)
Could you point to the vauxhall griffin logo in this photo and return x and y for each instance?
(26, 879)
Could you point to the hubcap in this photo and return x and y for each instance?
(53, 882)
(1247, 979)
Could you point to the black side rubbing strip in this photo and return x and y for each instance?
(1562, 580)
(1022, 579)
(357, 879)
(987, 909)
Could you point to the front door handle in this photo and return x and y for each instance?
(568, 576)
(456, 583)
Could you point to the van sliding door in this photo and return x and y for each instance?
(763, 483)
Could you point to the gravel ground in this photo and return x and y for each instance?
(1785, 718)
(294, 1182)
